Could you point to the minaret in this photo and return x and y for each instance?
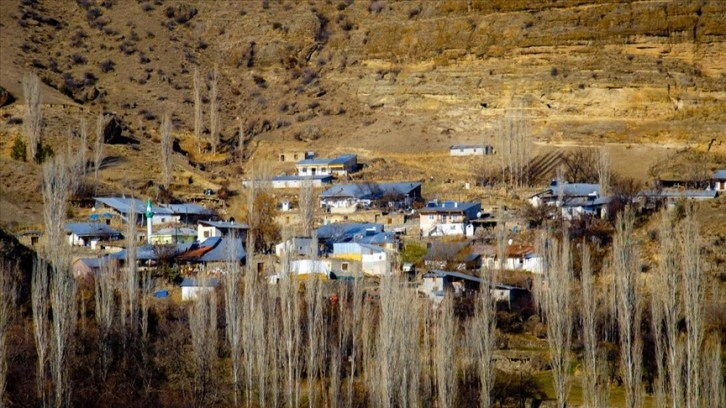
(149, 214)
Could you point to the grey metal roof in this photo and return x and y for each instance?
(719, 174)
(224, 224)
(317, 162)
(436, 273)
(176, 231)
(371, 191)
(188, 208)
(205, 283)
(91, 229)
(149, 252)
(124, 205)
(575, 189)
(302, 178)
(682, 194)
(452, 147)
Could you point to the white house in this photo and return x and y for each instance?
(193, 288)
(374, 259)
(209, 229)
(517, 258)
(471, 150)
(448, 218)
(573, 199)
(294, 181)
(90, 233)
(340, 166)
(719, 180)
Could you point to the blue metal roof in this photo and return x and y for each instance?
(380, 238)
(720, 174)
(91, 229)
(340, 232)
(343, 158)
(149, 252)
(370, 190)
(450, 206)
(574, 189)
(222, 249)
(94, 263)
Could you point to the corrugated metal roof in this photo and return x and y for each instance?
(450, 206)
(188, 208)
(222, 249)
(343, 158)
(91, 229)
(124, 205)
(720, 174)
(370, 190)
(176, 231)
(302, 178)
(224, 224)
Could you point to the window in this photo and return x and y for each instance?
(206, 234)
(344, 266)
(431, 217)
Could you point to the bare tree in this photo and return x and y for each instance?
(307, 204)
(666, 291)
(33, 121)
(104, 297)
(693, 296)
(63, 304)
(593, 381)
(233, 317)
(714, 392)
(203, 326)
(444, 353)
(603, 172)
(241, 141)
(514, 138)
(130, 281)
(8, 294)
(313, 303)
(214, 109)
(166, 151)
(56, 185)
(626, 264)
(198, 110)
(98, 153)
(41, 330)
(558, 311)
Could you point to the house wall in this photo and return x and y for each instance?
(171, 239)
(193, 292)
(207, 231)
(376, 264)
(433, 228)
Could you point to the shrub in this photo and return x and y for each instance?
(18, 151)
(78, 59)
(554, 72)
(44, 152)
(107, 65)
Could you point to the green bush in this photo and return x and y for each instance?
(43, 153)
(18, 152)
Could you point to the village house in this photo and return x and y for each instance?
(123, 206)
(471, 150)
(295, 156)
(87, 267)
(187, 213)
(366, 195)
(374, 259)
(437, 283)
(292, 181)
(449, 218)
(174, 235)
(518, 257)
(208, 229)
(719, 180)
(574, 199)
(339, 166)
(214, 254)
(90, 234)
(329, 234)
(296, 247)
(670, 198)
(451, 256)
(193, 288)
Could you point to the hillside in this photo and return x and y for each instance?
(375, 77)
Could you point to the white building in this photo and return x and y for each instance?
(448, 218)
(209, 229)
(471, 150)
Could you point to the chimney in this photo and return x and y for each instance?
(456, 204)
